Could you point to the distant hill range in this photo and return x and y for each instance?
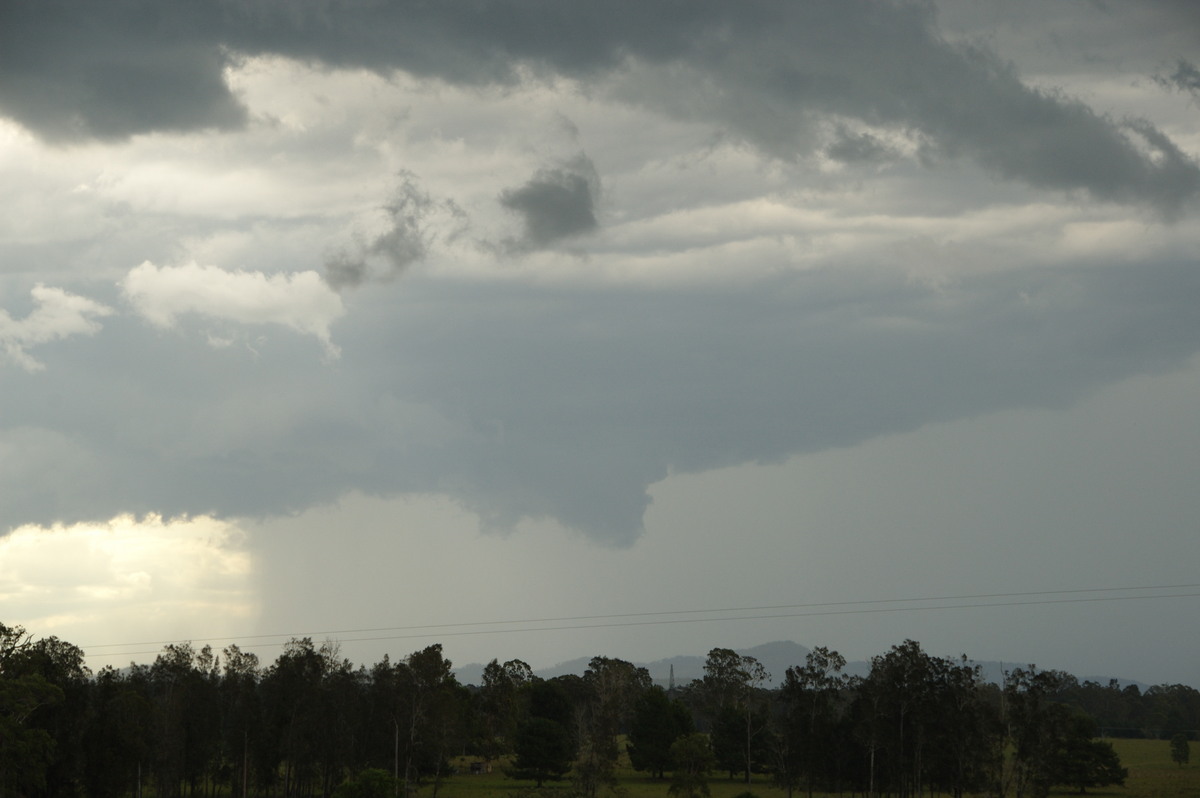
(776, 657)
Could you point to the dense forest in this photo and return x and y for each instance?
(199, 723)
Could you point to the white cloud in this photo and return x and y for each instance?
(300, 301)
(58, 314)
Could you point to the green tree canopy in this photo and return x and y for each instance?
(657, 723)
(1180, 752)
(544, 751)
(369, 783)
(692, 759)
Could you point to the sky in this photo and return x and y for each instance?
(545, 330)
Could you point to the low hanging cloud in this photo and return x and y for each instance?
(58, 314)
(300, 301)
(525, 401)
(555, 204)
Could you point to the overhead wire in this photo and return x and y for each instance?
(651, 618)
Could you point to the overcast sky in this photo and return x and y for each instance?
(683, 324)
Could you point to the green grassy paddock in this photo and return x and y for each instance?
(1152, 774)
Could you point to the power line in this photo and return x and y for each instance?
(613, 620)
(668, 612)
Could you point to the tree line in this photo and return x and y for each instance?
(207, 724)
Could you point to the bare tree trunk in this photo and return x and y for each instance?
(245, 760)
(871, 777)
(412, 742)
(748, 736)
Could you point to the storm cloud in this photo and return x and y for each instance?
(77, 70)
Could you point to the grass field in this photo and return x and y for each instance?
(1152, 774)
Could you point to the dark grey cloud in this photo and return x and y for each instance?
(1185, 78)
(1063, 144)
(525, 401)
(555, 204)
(109, 70)
(405, 241)
(345, 269)
(761, 69)
(852, 147)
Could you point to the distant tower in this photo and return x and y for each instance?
(671, 682)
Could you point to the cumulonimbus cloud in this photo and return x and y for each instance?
(300, 301)
(58, 314)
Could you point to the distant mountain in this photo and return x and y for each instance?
(776, 657)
